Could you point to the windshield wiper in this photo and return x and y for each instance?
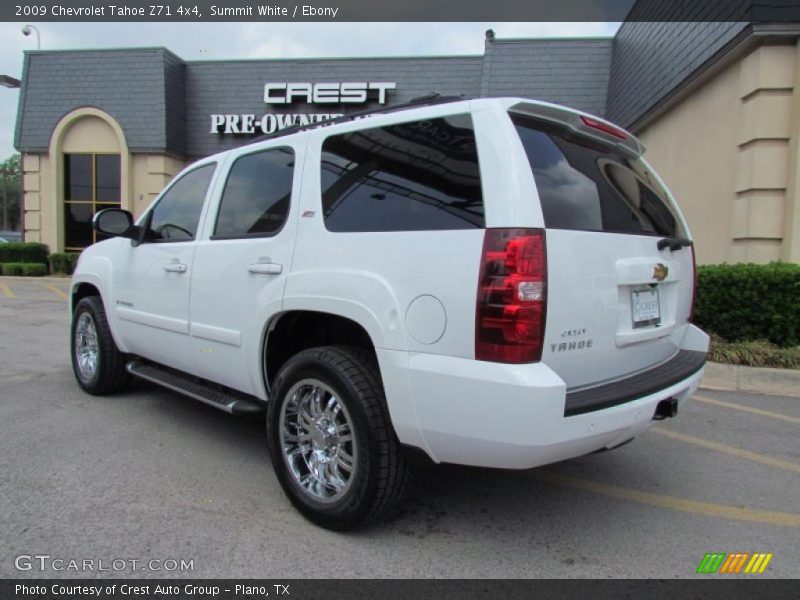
(673, 243)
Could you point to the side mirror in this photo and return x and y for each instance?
(114, 222)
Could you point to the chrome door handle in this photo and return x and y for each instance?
(265, 268)
(175, 267)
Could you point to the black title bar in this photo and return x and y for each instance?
(757, 11)
(369, 589)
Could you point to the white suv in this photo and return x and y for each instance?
(494, 282)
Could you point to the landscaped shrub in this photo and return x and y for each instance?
(754, 353)
(58, 263)
(63, 262)
(19, 268)
(34, 269)
(750, 302)
(10, 253)
(34, 252)
(10, 268)
(24, 252)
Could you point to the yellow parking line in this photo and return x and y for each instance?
(710, 509)
(56, 290)
(7, 292)
(738, 452)
(749, 409)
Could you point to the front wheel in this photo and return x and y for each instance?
(331, 441)
(98, 364)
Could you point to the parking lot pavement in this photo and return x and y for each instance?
(39, 289)
(149, 475)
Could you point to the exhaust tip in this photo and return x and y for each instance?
(666, 409)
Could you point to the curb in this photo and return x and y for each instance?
(42, 278)
(759, 380)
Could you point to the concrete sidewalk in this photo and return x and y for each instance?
(760, 380)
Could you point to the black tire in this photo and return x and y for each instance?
(110, 376)
(381, 477)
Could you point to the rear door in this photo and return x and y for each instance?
(242, 262)
(617, 303)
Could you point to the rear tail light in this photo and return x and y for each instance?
(512, 296)
(694, 285)
(604, 127)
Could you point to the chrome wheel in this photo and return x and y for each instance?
(87, 350)
(316, 435)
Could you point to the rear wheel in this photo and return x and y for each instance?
(98, 364)
(331, 441)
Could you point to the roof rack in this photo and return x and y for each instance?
(426, 100)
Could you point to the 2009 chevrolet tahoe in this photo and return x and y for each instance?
(494, 282)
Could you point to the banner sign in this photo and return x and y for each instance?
(286, 93)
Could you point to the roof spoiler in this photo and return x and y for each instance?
(583, 123)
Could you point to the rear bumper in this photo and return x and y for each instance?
(677, 369)
(513, 416)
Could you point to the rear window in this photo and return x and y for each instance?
(416, 176)
(589, 187)
(256, 198)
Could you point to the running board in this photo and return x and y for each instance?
(227, 400)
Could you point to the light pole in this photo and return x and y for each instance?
(26, 31)
(9, 82)
(5, 203)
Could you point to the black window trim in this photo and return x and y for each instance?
(248, 236)
(148, 219)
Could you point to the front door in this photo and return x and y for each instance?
(241, 265)
(152, 279)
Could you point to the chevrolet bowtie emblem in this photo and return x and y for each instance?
(660, 271)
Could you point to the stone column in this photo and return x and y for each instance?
(766, 86)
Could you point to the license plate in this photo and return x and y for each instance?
(645, 308)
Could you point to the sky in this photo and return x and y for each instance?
(204, 41)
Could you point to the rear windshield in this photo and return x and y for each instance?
(588, 186)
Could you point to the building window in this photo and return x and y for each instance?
(91, 183)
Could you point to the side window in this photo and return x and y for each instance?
(256, 198)
(177, 213)
(413, 176)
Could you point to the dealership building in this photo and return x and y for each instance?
(717, 105)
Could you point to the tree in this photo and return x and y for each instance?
(11, 191)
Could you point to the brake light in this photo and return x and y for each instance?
(604, 127)
(512, 296)
(694, 285)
